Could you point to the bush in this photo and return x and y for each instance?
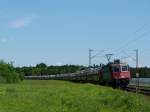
(7, 73)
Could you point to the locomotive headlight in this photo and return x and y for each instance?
(122, 76)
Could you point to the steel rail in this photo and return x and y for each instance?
(141, 89)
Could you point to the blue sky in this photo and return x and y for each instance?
(61, 31)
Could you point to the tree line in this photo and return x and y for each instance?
(144, 72)
(43, 69)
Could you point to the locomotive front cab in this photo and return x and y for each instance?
(120, 71)
(121, 74)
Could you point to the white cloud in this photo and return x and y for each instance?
(3, 40)
(59, 63)
(6, 39)
(22, 22)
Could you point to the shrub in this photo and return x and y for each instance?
(7, 73)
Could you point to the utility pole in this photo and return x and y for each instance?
(90, 57)
(94, 55)
(137, 58)
(137, 73)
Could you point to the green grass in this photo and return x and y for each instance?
(61, 96)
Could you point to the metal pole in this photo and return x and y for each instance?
(137, 74)
(137, 59)
(90, 50)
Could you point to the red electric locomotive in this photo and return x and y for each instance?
(116, 74)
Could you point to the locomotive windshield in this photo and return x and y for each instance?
(124, 68)
(116, 68)
(120, 67)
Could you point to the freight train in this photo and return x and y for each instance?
(115, 74)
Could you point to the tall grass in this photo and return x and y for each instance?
(60, 96)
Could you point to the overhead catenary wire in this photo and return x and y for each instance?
(142, 27)
(133, 40)
(136, 38)
(129, 56)
(95, 55)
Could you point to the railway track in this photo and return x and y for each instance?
(131, 88)
(140, 89)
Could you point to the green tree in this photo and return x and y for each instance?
(7, 73)
(41, 65)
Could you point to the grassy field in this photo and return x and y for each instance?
(61, 96)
